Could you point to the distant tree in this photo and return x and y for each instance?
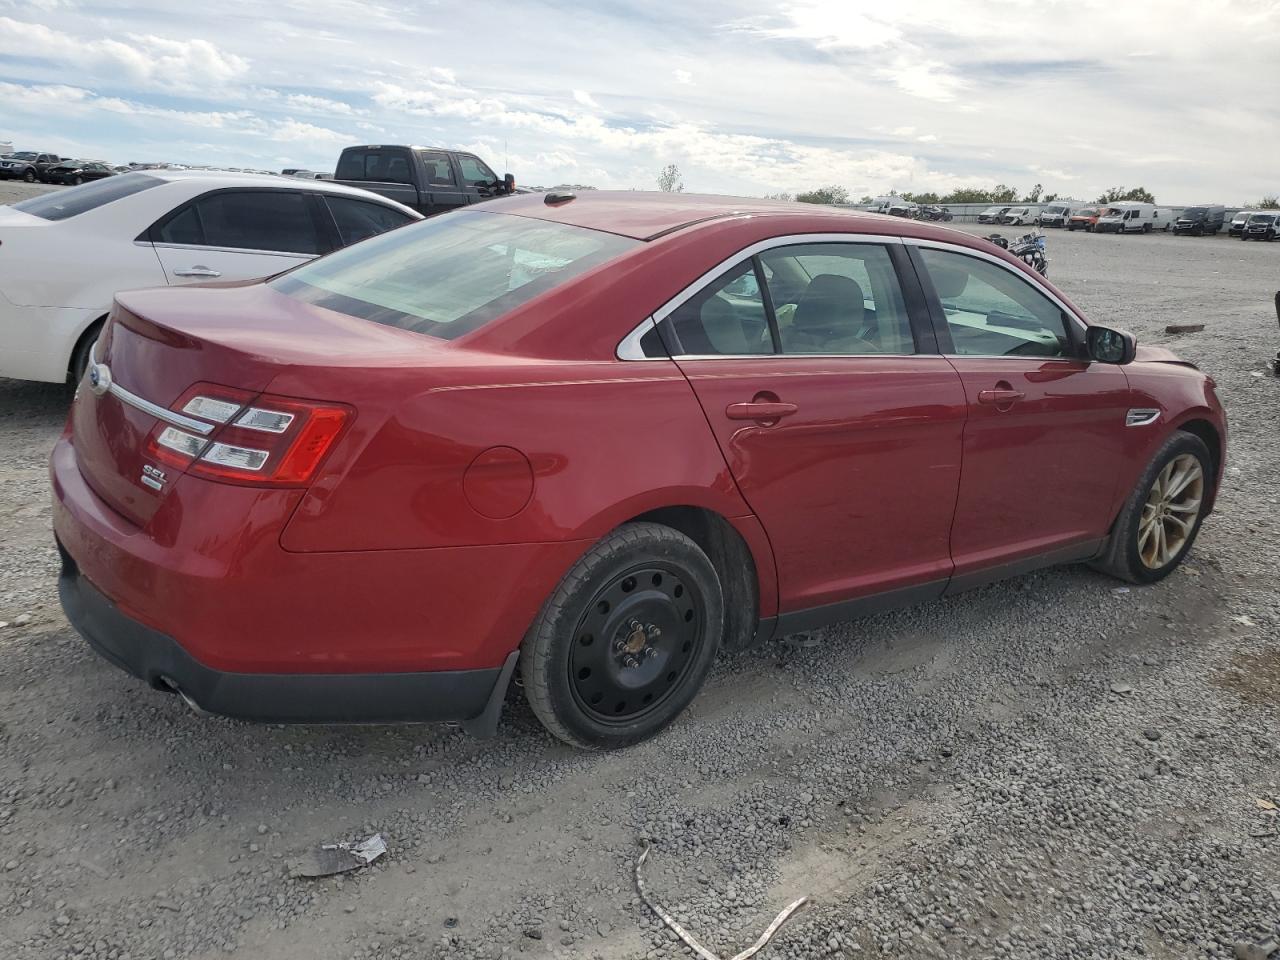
(867, 199)
(929, 197)
(670, 181)
(1116, 194)
(1034, 195)
(1050, 197)
(779, 196)
(831, 194)
(1270, 202)
(1004, 194)
(968, 195)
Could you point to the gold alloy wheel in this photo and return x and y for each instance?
(1171, 510)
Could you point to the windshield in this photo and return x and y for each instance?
(24, 155)
(1056, 208)
(995, 209)
(1194, 213)
(1241, 217)
(76, 200)
(1087, 212)
(452, 274)
(1263, 218)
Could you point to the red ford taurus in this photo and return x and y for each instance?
(596, 439)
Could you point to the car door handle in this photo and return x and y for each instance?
(760, 410)
(1000, 397)
(199, 270)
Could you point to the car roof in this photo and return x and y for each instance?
(229, 178)
(648, 215)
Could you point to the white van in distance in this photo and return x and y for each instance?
(1130, 216)
(1019, 215)
(1054, 215)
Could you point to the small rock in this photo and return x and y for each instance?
(1121, 687)
(262, 828)
(533, 933)
(22, 619)
(1152, 734)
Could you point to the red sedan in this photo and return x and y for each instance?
(597, 439)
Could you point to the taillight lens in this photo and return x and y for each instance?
(276, 441)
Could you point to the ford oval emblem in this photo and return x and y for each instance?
(99, 378)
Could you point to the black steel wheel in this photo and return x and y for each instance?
(625, 642)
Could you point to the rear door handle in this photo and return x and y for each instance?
(760, 410)
(1000, 398)
(199, 270)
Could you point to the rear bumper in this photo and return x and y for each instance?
(160, 661)
(208, 574)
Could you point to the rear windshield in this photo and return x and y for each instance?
(76, 200)
(451, 274)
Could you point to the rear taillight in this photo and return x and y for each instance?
(238, 437)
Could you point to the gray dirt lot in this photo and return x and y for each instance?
(956, 780)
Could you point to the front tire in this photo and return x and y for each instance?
(1160, 520)
(29, 176)
(625, 642)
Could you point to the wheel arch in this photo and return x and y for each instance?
(746, 576)
(89, 330)
(1207, 431)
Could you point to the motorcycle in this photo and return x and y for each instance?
(932, 211)
(1029, 248)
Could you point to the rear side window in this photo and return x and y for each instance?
(726, 318)
(76, 200)
(360, 219)
(451, 274)
(438, 169)
(276, 221)
(475, 173)
(384, 166)
(837, 298)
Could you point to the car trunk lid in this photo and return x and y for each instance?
(159, 344)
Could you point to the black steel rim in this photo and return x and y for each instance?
(636, 642)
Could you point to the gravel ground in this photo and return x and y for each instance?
(1049, 767)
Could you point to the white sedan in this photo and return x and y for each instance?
(64, 255)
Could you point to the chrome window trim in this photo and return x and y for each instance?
(632, 339)
(265, 253)
(146, 406)
(629, 347)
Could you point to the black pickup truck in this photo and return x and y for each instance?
(427, 179)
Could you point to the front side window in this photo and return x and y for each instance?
(275, 221)
(360, 219)
(837, 298)
(475, 173)
(993, 312)
(76, 200)
(454, 273)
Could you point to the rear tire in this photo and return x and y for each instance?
(1156, 527)
(80, 355)
(625, 642)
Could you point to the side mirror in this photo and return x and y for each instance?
(1110, 346)
(509, 183)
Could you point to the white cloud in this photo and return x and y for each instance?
(143, 59)
(682, 76)
(584, 98)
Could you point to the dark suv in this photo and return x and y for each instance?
(27, 165)
(1197, 221)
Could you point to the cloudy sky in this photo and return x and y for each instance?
(747, 97)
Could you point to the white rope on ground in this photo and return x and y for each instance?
(687, 937)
